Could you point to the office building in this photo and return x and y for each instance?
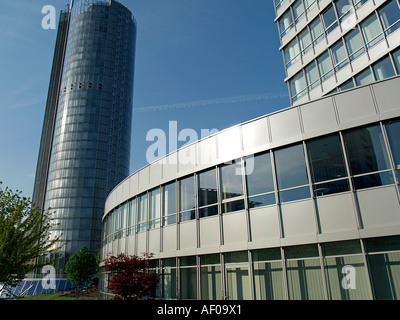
(334, 45)
(86, 140)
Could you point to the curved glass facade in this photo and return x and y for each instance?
(92, 134)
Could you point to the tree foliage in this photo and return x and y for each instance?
(25, 237)
(81, 266)
(130, 277)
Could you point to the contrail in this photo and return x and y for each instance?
(226, 100)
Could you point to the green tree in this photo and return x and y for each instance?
(25, 238)
(81, 266)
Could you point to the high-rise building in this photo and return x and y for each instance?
(86, 140)
(334, 45)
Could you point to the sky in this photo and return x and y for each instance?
(204, 64)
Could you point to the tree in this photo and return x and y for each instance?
(81, 266)
(25, 238)
(130, 277)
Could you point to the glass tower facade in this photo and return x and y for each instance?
(90, 149)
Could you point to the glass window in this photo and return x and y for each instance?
(330, 19)
(268, 274)
(298, 10)
(155, 208)
(298, 86)
(366, 150)
(364, 77)
(259, 174)
(188, 283)
(292, 53)
(207, 187)
(231, 181)
(326, 158)
(339, 55)
(347, 85)
(344, 9)
(169, 204)
(291, 167)
(286, 23)
(312, 76)
(396, 58)
(309, 4)
(317, 31)
(393, 133)
(142, 216)
(210, 277)
(187, 199)
(354, 44)
(383, 69)
(358, 3)
(305, 41)
(232, 206)
(390, 16)
(325, 66)
(169, 278)
(373, 180)
(372, 31)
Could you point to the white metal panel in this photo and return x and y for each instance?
(170, 166)
(206, 153)
(155, 174)
(169, 239)
(229, 144)
(234, 227)
(188, 235)
(154, 241)
(298, 219)
(141, 243)
(336, 213)
(387, 95)
(144, 179)
(209, 232)
(379, 207)
(264, 223)
(187, 159)
(285, 126)
(130, 250)
(255, 136)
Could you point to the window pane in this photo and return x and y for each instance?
(268, 281)
(396, 58)
(294, 194)
(317, 31)
(325, 66)
(354, 44)
(343, 7)
(211, 281)
(263, 200)
(339, 55)
(231, 181)
(207, 187)
(155, 204)
(259, 174)
(286, 23)
(305, 41)
(309, 4)
(383, 69)
(347, 85)
(312, 76)
(170, 198)
(142, 208)
(292, 53)
(364, 77)
(238, 283)
(372, 31)
(187, 194)
(236, 257)
(232, 206)
(366, 150)
(208, 211)
(291, 167)
(188, 283)
(326, 158)
(393, 132)
(298, 10)
(374, 180)
(330, 20)
(298, 86)
(323, 189)
(390, 15)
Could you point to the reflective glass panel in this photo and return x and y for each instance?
(366, 150)
(232, 206)
(298, 10)
(372, 31)
(207, 187)
(326, 158)
(155, 204)
(325, 66)
(393, 133)
(390, 16)
(317, 31)
(339, 55)
(383, 69)
(298, 86)
(231, 180)
(291, 167)
(294, 194)
(305, 41)
(259, 174)
(330, 20)
(396, 58)
(364, 77)
(170, 198)
(187, 194)
(354, 44)
(323, 189)
(373, 180)
(208, 211)
(263, 200)
(286, 22)
(312, 76)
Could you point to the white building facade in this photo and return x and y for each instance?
(334, 45)
(302, 203)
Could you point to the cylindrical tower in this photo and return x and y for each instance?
(92, 135)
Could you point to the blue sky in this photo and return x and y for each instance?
(203, 63)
